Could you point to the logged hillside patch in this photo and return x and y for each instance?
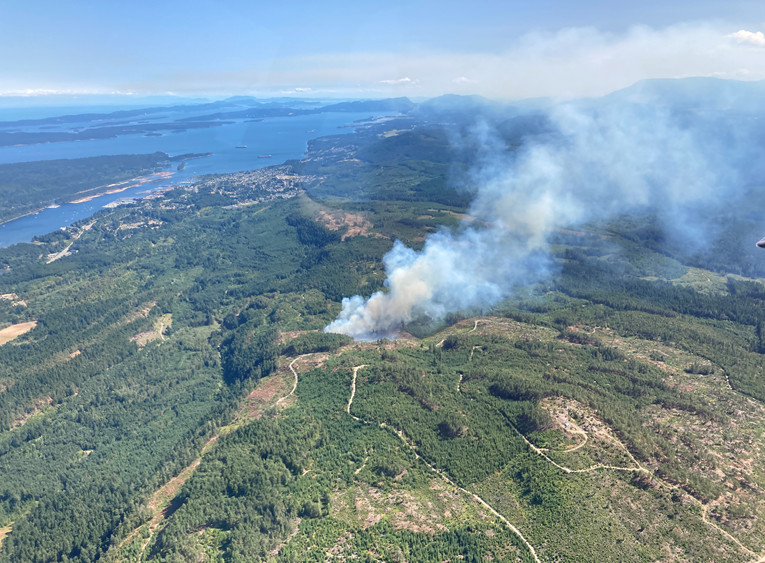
(353, 225)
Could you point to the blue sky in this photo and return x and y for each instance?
(500, 49)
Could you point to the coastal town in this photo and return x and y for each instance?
(257, 186)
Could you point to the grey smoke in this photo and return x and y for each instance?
(600, 163)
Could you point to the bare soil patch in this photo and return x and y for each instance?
(315, 360)
(14, 331)
(160, 325)
(402, 340)
(574, 233)
(268, 389)
(162, 497)
(143, 338)
(14, 299)
(151, 223)
(357, 224)
(286, 336)
(416, 511)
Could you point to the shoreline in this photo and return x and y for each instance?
(56, 143)
(34, 212)
(143, 179)
(94, 196)
(136, 179)
(152, 178)
(135, 182)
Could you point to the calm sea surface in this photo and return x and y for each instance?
(283, 138)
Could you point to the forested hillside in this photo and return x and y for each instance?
(175, 399)
(30, 186)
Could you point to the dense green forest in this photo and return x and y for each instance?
(177, 400)
(29, 186)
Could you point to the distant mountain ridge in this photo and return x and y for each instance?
(400, 105)
(462, 109)
(693, 93)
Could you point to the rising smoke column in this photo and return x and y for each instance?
(449, 274)
(599, 164)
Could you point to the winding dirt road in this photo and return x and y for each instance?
(757, 558)
(443, 476)
(637, 468)
(475, 326)
(353, 390)
(294, 386)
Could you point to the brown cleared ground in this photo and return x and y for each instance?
(263, 396)
(160, 326)
(357, 224)
(429, 511)
(285, 337)
(14, 331)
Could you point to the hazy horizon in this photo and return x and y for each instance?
(337, 50)
(34, 103)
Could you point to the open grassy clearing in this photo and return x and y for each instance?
(12, 332)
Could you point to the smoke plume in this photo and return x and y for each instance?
(598, 164)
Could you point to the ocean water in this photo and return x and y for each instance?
(283, 138)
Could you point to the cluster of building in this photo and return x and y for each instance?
(257, 186)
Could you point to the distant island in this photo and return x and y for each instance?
(21, 138)
(106, 126)
(189, 156)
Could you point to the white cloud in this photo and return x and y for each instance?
(740, 74)
(573, 62)
(36, 92)
(303, 89)
(462, 80)
(399, 81)
(751, 37)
